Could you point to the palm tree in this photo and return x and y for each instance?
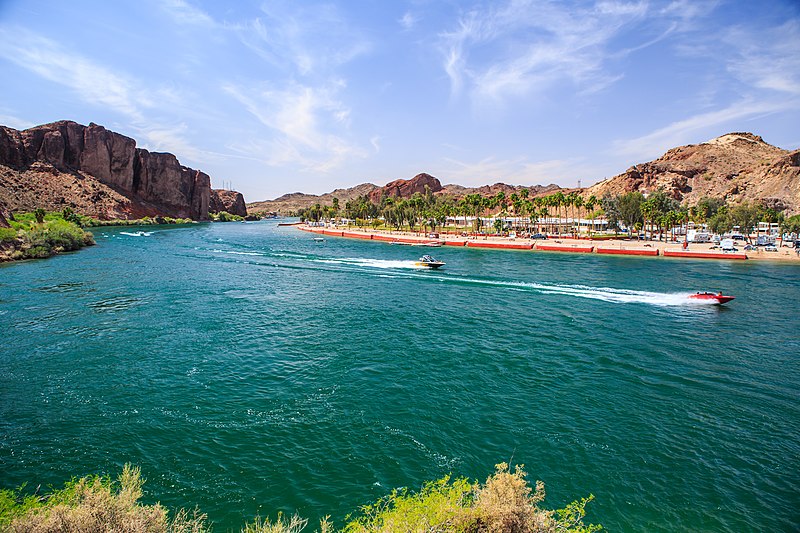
(590, 204)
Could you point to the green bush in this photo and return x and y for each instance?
(8, 235)
(224, 216)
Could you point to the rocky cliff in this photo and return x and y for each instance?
(96, 172)
(735, 167)
(229, 201)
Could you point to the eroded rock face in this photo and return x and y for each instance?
(225, 200)
(406, 188)
(66, 152)
(734, 167)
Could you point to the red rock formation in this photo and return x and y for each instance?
(406, 188)
(225, 200)
(54, 160)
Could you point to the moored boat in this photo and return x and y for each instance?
(714, 298)
(426, 261)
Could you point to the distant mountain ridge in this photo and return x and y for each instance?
(400, 188)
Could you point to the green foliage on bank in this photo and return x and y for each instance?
(39, 234)
(89, 222)
(504, 503)
(224, 216)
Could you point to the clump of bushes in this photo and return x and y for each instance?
(39, 234)
(89, 222)
(224, 216)
(94, 504)
(505, 503)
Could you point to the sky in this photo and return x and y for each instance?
(276, 96)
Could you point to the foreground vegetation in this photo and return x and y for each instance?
(504, 503)
(39, 234)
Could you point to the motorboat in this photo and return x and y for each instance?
(426, 261)
(319, 239)
(711, 297)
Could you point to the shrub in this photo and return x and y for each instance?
(94, 504)
(504, 504)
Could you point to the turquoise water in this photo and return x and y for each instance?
(248, 369)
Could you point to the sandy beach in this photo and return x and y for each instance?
(565, 244)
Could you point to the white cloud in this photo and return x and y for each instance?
(186, 14)
(302, 119)
(93, 83)
(408, 21)
(301, 39)
(517, 171)
(533, 44)
(772, 64)
(15, 122)
(685, 131)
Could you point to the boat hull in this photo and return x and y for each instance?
(715, 299)
(426, 264)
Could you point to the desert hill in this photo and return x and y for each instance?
(735, 167)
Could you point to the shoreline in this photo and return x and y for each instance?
(564, 245)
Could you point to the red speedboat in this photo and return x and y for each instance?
(713, 298)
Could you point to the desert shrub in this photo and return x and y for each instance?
(92, 504)
(504, 504)
(295, 524)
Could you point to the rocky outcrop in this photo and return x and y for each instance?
(734, 167)
(407, 188)
(225, 200)
(54, 161)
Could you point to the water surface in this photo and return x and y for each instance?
(248, 369)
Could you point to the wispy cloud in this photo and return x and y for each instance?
(519, 171)
(302, 121)
(408, 21)
(184, 13)
(302, 39)
(92, 82)
(534, 44)
(685, 131)
(772, 64)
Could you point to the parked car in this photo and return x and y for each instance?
(538, 236)
(770, 248)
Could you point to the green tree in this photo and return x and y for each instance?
(629, 210)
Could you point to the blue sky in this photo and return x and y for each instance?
(282, 96)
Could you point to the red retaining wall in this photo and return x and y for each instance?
(502, 245)
(556, 248)
(617, 251)
(703, 255)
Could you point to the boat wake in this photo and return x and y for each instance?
(371, 263)
(136, 233)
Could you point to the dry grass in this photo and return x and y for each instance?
(95, 505)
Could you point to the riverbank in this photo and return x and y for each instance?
(563, 244)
